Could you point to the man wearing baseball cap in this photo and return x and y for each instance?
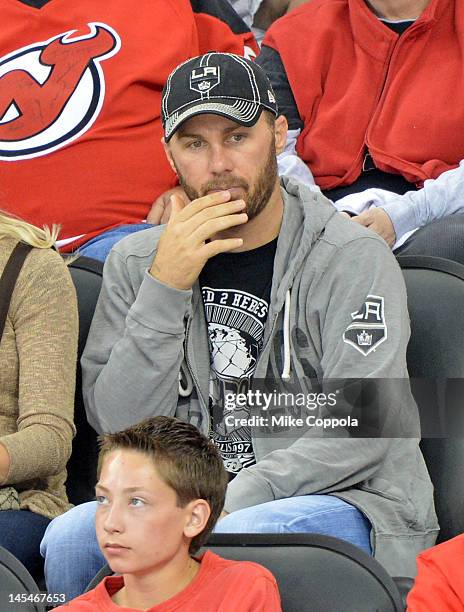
(254, 284)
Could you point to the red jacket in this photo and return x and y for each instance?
(439, 585)
(357, 83)
(80, 124)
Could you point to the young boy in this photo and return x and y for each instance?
(160, 492)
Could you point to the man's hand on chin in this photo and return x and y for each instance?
(160, 211)
(186, 243)
(378, 220)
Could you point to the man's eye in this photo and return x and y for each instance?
(135, 501)
(195, 144)
(101, 500)
(237, 137)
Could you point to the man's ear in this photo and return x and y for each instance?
(198, 515)
(167, 150)
(280, 131)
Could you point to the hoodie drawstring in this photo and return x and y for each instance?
(185, 381)
(287, 360)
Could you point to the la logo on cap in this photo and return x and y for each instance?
(203, 79)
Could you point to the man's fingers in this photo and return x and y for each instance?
(177, 205)
(157, 210)
(213, 212)
(166, 213)
(210, 249)
(213, 226)
(362, 219)
(155, 214)
(212, 199)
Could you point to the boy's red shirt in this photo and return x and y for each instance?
(220, 585)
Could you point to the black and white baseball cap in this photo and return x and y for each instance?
(218, 83)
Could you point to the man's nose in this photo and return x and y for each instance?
(220, 160)
(113, 520)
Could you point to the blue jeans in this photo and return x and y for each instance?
(322, 514)
(70, 548)
(101, 245)
(72, 556)
(20, 533)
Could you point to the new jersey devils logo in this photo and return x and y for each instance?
(51, 92)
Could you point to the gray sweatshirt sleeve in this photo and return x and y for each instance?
(437, 199)
(134, 350)
(318, 463)
(364, 286)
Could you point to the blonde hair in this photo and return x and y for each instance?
(30, 234)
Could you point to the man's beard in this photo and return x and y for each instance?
(256, 199)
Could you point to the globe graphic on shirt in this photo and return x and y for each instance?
(231, 351)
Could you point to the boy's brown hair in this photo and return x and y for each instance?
(184, 459)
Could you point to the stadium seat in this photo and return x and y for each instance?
(86, 274)
(16, 580)
(435, 357)
(315, 573)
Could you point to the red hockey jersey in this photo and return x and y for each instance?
(80, 90)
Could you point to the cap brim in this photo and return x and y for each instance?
(242, 112)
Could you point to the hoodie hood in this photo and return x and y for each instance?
(305, 217)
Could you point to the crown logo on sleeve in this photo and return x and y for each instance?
(364, 339)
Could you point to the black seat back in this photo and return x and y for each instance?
(16, 580)
(435, 289)
(87, 277)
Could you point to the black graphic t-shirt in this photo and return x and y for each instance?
(236, 291)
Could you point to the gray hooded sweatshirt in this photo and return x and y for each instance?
(146, 336)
